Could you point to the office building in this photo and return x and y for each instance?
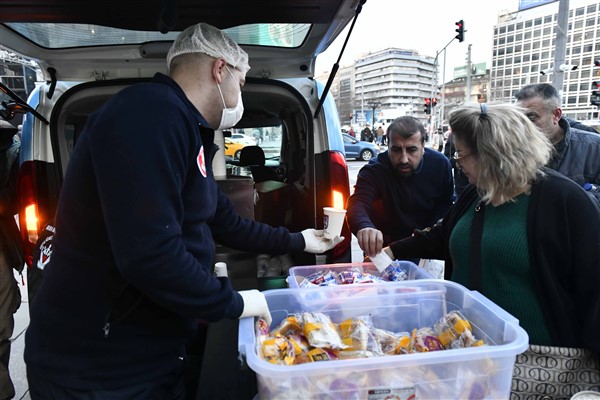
(524, 52)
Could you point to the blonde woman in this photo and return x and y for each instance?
(527, 238)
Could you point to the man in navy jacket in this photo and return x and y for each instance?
(138, 215)
(408, 187)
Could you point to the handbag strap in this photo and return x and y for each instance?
(475, 248)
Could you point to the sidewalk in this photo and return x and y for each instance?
(17, 365)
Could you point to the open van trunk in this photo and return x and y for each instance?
(275, 112)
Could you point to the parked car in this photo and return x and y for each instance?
(86, 55)
(359, 149)
(243, 139)
(233, 149)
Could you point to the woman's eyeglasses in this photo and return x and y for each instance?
(457, 159)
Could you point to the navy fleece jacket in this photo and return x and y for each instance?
(397, 205)
(131, 269)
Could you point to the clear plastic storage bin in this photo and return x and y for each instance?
(297, 274)
(467, 373)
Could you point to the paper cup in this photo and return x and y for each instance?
(333, 221)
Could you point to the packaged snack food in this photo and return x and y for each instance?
(300, 343)
(319, 278)
(425, 339)
(320, 331)
(454, 331)
(394, 272)
(289, 326)
(278, 350)
(357, 334)
(315, 355)
(393, 343)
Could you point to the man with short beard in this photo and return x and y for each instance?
(405, 188)
(576, 152)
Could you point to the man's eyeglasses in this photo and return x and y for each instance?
(457, 159)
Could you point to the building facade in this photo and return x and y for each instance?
(383, 85)
(395, 81)
(524, 47)
(455, 91)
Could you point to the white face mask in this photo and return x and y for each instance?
(230, 116)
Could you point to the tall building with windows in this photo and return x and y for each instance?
(394, 79)
(392, 82)
(524, 47)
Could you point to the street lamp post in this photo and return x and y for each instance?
(374, 105)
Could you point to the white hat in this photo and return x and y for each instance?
(205, 38)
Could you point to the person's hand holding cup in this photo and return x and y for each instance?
(333, 221)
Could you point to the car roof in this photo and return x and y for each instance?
(124, 39)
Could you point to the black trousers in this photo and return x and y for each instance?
(168, 387)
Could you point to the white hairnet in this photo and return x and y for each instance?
(205, 38)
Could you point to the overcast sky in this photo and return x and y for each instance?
(422, 25)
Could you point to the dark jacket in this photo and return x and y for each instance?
(10, 239)
(131, 268)
(563, 229)
(460, 179)
(397, 205)
(579, 158)
(581, 126)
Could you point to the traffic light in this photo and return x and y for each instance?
(427, 106)
(597, 63)
(433, 102)
(460, 30)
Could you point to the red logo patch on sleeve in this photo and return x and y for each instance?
(201, 160)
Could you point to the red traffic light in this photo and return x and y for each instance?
(460, 30)
(427, 101)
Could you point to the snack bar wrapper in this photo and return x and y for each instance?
(381, 261)
(320, 331)
(454, 332)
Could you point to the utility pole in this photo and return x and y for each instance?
(560, 48)
(434, 82)
(460, 30)
(469, 80)
(362, 96)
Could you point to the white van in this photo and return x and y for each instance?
(87, 54)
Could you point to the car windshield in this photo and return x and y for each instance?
(51, 35)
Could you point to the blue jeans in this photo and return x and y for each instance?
(168, 387)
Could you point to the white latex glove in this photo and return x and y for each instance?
(255, 305)
(316, 243)
(221, 269)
